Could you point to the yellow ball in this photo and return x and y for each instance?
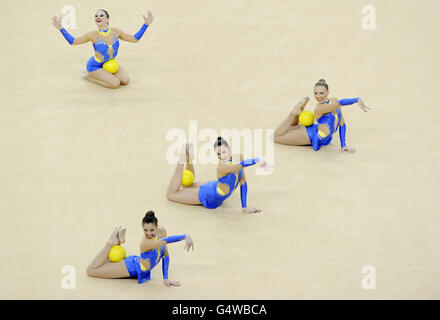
(187, 178)
(117, 253)
(111, 66)
(306, 118)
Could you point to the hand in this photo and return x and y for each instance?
(189, 243)
(57, 22)
(170, 283)
(363, 106)
(251, 210)
(148, 20)
(264, 165)
(350, 150)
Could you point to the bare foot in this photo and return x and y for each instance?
(121, 234)
(190, 151)
(299, 107)
(113, 241)
(183, 154)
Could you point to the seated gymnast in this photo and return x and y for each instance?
(329, 117)
(106, 44)
(153, 247)
(213, 193)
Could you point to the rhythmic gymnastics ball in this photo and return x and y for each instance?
(111, 66)
(187, 178)
(306, 118)
(117, 253)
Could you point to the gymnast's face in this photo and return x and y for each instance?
(321, 94)
(101, 19)
(150, 230)
(223, 152)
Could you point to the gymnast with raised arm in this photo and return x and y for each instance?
(153, 248)
(106, 44)
(329, 117)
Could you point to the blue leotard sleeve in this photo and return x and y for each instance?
(67, 35)
(138, 35)
(249, 162)
(342, 130)
(243, 194)
(172, 239)
(346, 102)
(165, 265)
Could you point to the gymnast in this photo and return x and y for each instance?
(212, 194)
(329, 117)
(106, 44)
(153, 247)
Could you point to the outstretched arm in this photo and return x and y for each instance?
(323, 108)
(225, 168)
(70, 39)
(147, 245)
(138, 35)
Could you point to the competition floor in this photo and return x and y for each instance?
(78, 160)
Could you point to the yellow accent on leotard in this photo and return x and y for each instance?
(322, 133)
(142, 266)
(104, 33)
(220, 191)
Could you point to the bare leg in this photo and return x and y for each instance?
(189, 158)
(103, 78)
(121, 235)
(189, 165)
(292, 119)
(102, 268)
(295, 136)
(290, 132)
(122, 75)
(174, 193)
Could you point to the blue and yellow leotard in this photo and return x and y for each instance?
(211, 196)
(103, 48)
(137, 270)
(319, 138)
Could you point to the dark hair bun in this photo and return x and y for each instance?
(220, 142)
(149, 218)
(321, 82)
(149, 214)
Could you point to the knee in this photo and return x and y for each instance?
(90, 272)
(114, 84)
(125, 81)
(171, 196)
